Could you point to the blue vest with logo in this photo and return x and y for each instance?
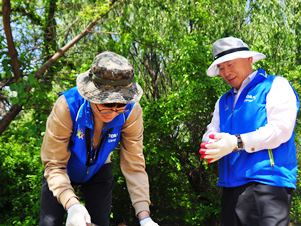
(277, 167)
(79, 169)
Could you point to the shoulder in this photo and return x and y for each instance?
(280, 82)
(279, 78)
(61, 110)
(60, 115)
(281, 89)
(136, 112)
(61, 106)
(224, 96)
(135, 119)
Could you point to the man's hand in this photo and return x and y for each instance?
(221, 144)
(78, 216)
(148, 222)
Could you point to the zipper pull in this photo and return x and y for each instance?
(271, 156)
(87, 171)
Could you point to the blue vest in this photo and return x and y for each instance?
(79, 168)
(277, 167)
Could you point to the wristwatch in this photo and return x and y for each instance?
(240, 144)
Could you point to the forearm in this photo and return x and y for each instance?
(60, 185)
(55, 157)
(132, 161)
(133, 169)
(268, 137)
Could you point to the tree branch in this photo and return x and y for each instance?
(60, 52)
(69, 29)
(12, 52)
(9, 117)
(15, 109)
(50, 29)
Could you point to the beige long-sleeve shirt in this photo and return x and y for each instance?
(55, 154)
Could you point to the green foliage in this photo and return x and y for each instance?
(21, 173)
(169, 44)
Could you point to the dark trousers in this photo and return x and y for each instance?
(96, 194)
(256, 204)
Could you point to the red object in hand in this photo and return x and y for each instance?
(203, 145)
(211, 136)
(202, 151)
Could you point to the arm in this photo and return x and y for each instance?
(55, 154)
(132, 162)
(281, 113)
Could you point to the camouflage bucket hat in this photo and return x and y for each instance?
(109, 80)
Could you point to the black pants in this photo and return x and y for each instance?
(256, 204)
(96, 194)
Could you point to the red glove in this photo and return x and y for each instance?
(203, 148)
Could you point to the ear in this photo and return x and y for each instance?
(250, 59)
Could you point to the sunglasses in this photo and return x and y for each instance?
(114, 105)
(111, 108)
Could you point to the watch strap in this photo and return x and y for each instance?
(240, 144)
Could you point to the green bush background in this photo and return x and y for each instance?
(169, 44)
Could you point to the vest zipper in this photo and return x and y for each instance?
(102, 142)
(271, 156)
(88, 148)
(94, 152)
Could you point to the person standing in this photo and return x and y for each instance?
(86, 124)
(251, 135)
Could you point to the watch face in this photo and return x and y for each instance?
(239, 142)
(240, 145)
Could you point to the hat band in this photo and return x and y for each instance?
(99, 82)
(230, 51)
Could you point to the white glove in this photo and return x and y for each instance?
(148, 222)
(221, 145)
(78, 216)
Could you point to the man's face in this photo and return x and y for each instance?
(107, 112)
(235, 71)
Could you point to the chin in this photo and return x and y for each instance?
(106, 119)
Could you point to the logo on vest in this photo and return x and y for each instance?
(250, 98)
(80, 134)
(112, 137)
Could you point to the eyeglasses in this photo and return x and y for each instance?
(114, 105)
(111, 108)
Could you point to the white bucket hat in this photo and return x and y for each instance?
(230, 48)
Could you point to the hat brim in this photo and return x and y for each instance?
(106, 94)
(213, 69)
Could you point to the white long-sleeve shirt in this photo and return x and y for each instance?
(281, 110)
